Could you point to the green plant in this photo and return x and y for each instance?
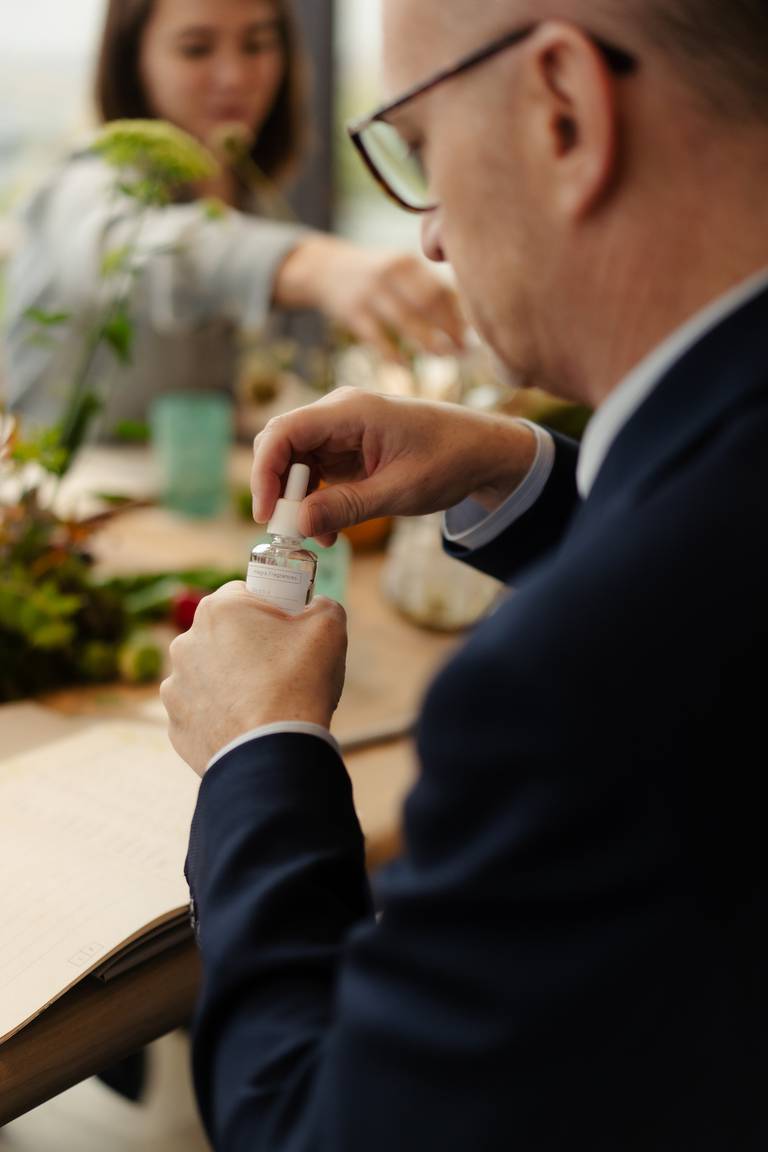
(60, 624)
(56, 624)
(152, 162)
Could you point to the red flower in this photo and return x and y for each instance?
(183, 607)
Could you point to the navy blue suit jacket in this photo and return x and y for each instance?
(571, 952)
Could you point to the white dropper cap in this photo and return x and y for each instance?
(285, 518)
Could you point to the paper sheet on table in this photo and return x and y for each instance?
(28, 725)
(93, 834)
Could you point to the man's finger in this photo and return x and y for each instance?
(339, 506)
(332, 423)
(285, 440)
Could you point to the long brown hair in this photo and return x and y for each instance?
(120, 94)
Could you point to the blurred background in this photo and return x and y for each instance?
(46, 54)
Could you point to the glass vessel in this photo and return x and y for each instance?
(430, 587)
(283, 572)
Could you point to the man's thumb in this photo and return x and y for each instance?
(340, 506)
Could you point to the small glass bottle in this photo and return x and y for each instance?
(281, 571)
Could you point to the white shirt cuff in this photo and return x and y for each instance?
(305, 728)
(471, 526)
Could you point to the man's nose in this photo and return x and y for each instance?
(431, 237)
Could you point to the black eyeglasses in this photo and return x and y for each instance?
(396, 165)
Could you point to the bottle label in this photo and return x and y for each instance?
(279, 586)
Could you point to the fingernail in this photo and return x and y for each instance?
(319, 520)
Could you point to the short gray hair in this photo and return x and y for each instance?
(719, 46)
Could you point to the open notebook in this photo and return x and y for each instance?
(94, 823)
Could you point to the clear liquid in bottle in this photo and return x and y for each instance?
(283, 573)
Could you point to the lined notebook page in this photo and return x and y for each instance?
(93, 834)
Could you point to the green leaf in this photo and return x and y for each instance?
(40, 339)
(48, 598)
(214, 209)
(117, 331)
(115, 261)
(154, 600)
(114, 499)
(97, 661)
(47, 319)
(129, 188)
(42, 614)
(9, 606)
(53, 635)
(76, 427)
(131, 432)
(165, 155)
(44, 449)
(140, 660)
(147, 192)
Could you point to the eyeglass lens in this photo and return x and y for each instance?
(398, 164)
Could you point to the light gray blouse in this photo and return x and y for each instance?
(200, 281)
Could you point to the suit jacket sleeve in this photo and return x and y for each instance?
(495, 1003)
(277, 876)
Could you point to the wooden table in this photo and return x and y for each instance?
(389, 664)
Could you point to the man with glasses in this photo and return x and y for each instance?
(570, 953)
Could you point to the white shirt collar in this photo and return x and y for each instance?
(629, 394)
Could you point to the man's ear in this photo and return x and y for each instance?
(575, 117)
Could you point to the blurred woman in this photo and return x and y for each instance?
(215, 68)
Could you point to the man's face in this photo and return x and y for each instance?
(468, 129)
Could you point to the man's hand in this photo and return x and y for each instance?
(245, 663)
(387, 456)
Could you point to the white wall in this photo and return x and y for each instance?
(48, 27)
(46, 57)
